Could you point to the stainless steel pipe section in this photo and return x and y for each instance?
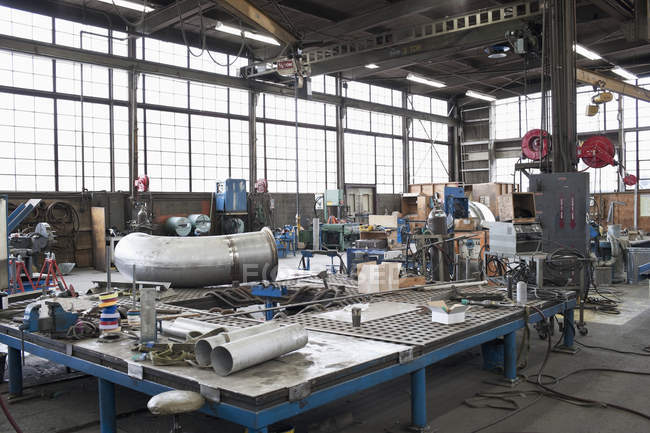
(199, 261)
(247, 352)
(184, 327)
(203, 347)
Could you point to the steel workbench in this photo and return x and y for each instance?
(338, 361)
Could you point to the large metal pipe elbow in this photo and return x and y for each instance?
(198, 261)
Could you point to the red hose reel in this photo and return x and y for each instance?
(536, 144)
(598, 151)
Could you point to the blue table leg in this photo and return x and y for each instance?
(268, 315)
(569, 328)
(15, 372)
(510, 356)
(567, 345)
(419, 399)
(107, 410)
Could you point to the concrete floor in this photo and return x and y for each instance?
(70, 405)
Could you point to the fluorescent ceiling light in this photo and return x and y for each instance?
(625, 74)
(422, 80)
(372, 66)
(129, 4)
(483, 96)
(584, 52)
(250, 35)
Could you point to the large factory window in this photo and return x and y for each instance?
(26, 143)
(27, 72)
(121, 147)
(167, 151)
(209, 151)
(239, 149)
(330, 142)
(356, 90)
(165, 91)
(279, 107)
(84, 146)
(358, 120)
(384, 158)
(208, 97)
(359, 159)
(311, 160)
(97, 152)
(280, 145)
(398, 168)
(15, 22)
(421, 168)
(644, 156)
(587, 123)
(506, 112)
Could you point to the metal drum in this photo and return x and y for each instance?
(198, 261)
(200, 223)
(178, 226)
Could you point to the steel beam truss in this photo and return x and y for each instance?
(444, 26)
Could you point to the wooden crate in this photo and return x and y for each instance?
(465, 224)
(429, 189)
(517, 207)
(415, 206)
(488, 193)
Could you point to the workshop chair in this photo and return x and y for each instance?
(175, 403)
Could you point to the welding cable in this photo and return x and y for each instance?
(545, 391)
(644, 352)
(10, 418)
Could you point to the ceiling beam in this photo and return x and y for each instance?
(613, 8)
(402, 55)
(612, 84)
(249, 12)
(312, 8)
(28, 46)
(373, 18)
(172, 15)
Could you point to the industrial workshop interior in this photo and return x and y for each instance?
(317, 216)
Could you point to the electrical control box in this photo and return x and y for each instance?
(562, 201)
(334, 197)
(231, 196)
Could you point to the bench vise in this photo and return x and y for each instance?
(55, 323)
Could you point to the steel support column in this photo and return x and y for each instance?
(454, 138)
(252, 139)
(406, 125)
(107, 411)
(510, 356)
(563, 84)
(133, 117)
(419, 398)
(14, 362)
(340, 137)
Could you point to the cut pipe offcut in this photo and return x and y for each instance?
(247, 352)
(203, 347)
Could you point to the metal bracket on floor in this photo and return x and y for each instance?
(504, 382)
(299, 392)
(568, 350)
(406, 356)
(426, 429)
(210, 394)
